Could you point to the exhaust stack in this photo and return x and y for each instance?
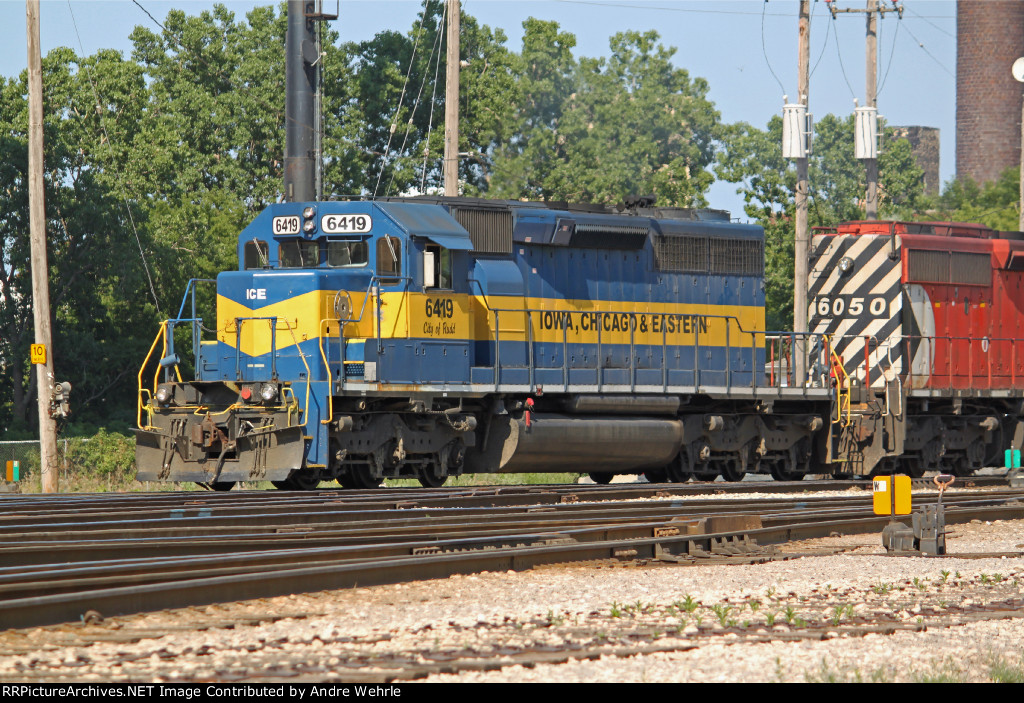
(301, 55)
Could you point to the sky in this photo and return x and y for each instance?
(745, 49)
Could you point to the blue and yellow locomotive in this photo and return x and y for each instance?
(428, 337)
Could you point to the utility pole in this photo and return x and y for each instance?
(871, 90)
(802, 235)
(42, 358)
(451, 103)
(867, 116)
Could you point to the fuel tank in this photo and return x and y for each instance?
(556, 443)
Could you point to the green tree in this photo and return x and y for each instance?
(995, 204)
(631, 124)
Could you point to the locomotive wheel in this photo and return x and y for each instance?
(731, 471)
(678, 471)
(363, 478)
(705, 475)
(298, 481)
(914, 467)
(222, 485)
(656, 475)
(780, 473)
(428, 478)
(601, 479)
(962, 466)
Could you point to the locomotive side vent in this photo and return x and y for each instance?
(601, 236)
(681, 253)
(943, 267)
(971, 269)
(930, 266)
(489, 229)
(742, 257)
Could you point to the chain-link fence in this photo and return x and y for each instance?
(91, 463)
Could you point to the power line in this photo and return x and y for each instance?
(925, 50)
(824, 45)
(764, 51)
(839, 53)
(948, 34)
(110, 145)
(633, 6)
(892, 51)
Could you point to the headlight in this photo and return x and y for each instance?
(309, 226)
(845, 264)
(164, 393)
(268, 392)
(309, 213)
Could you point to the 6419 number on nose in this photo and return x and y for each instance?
(346, 224)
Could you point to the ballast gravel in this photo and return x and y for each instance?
(943, 619)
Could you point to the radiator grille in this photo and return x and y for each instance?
(600, 236)
(489, 230)
(945, 267)
(743, 257)
(681, 253)
(971, 269)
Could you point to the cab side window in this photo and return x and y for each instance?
(257, 254)
(389, 257)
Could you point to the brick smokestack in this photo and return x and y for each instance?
(990, 37)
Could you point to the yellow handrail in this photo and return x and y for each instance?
(842, 385)
(162, 334)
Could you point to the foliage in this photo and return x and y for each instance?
(996, 204)
(105, 454)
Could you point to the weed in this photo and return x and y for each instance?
(722, 613)
(770, 619)
(882, 588)
(779, 673)
(945, 575)
(826, 674)
(1002, 671)
(941, 672)
(755, 605)
(986, 579)
(770, 592)
(790, 614)
(837, 614)
(921, 585)
(688, 604)
(554, 620)
(997, 577)
(616, 610)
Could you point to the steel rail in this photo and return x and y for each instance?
(279, 574)
(40, 610)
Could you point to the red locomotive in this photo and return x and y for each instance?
(924, 317)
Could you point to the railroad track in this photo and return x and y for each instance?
(116, 555)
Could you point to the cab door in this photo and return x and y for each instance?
(440, 319)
